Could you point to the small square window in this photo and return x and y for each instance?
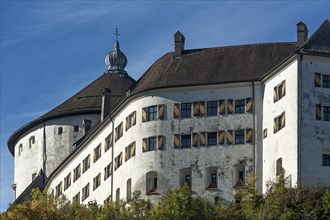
(212, 138)
(185, 141)
(239, 137)
(186, 110)
(326, 81)
(212, 108)
(240, 106)
(326, 160)
(76, 128)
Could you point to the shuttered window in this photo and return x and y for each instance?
(248, 135)
(202, 139)
(317, 79)
(221, 137)
(212, 108)
(107, 171)
(186, 110)
(119, 131)
(230, 138)
(239, 137)
(185, 141)
(222, 107)
(161, 112)
(86, 163)
(176, 110)
(76, 172)
(97, 153)
(107, 142)
(326, 81)
(318, 112)
(160, 143)
(152, 113)
(326, 113)
(97, 181)
(132, 149)
(151, 144)
(279, 91)
(177, 143)
(133, 118)
(249, 105)
(198, 108)
(230, 106)
(130, 120)
(240, 106)
(211, 138)
(85, 192)
(279, 122)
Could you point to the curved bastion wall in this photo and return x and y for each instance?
(57, 137)
(147, 157)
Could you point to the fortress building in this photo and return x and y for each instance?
(206, 117)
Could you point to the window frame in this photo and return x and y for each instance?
(326, 81)
(67, 181)
(211, 108)
(86, 164)
(185, 111)
(186, 138)
(96, 181)
(326, 113)
(97, 153)
(326, 160)
(154, 141)
(85, 192)
(240, 136)
(152, 113)
(210, 138)
(240, 106)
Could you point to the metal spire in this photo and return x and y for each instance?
(117, 34)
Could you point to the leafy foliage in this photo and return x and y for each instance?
(279, 202)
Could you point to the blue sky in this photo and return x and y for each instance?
(52, 49)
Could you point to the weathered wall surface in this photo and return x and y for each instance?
(283, 143)
(315, 134)
(58, 146)
(169, 161)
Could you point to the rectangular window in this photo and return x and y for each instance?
(85, 192)
(76, 128)
(67, 181)
(240, 106)
(151, 144)
(326, 81)
(152, 113)
(279, 91)
(107, 200)
(107, 171)
(86, 163)
(58, 190)
(326, 113)
(211, 138)
(118, 161)
(279, 122)
(239, 137)
(186, 110)
(76, 198)
(185, 141)
(97, 181)
(326, 160)
(108, 142)
(212, 108)
(97, 153)
(265, 132)
(188, 180)
(117, 194)
(119, 131)
(76, 173)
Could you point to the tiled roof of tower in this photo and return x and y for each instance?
(86, 101)
(214, 66)
(319, 42)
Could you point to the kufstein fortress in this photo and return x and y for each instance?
(206, 117)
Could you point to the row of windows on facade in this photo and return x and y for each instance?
(86, 124)
(322, 112)
(321, 80)
(211, 176)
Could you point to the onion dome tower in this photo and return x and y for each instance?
(116, 60)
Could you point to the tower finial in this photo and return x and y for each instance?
(117, 34)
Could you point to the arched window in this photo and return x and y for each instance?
(31, 141)
(279, 167)
(151, 183)
(129, 189)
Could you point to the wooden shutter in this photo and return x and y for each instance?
(176, 110)
(283, 120)
(275, 125)
(202, 138)
(195, 139)
(144, 144)
(221, 137)
(133, 119)
(160, 143)
(230, 139)
(88, 161)
(249, 105)
(222, 105)
(176, 141)
(126, 153)
(116, 134)
(126, 124)
(196, 109)
(248, 135)
(230, 106)
(133, 146)
(283, 88)
(144, 114)
(202, 108)
(275, 94)
(161, 112)
(318, 112)
(111, 168)
(121, 129)
(111, 139)
(120, 158)
(317, 79)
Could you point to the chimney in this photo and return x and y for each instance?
(87, 125)
(302, 34)
(178, 44)
(105, 111)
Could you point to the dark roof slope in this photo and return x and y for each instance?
(86, 101)
(319, 42)
(214, 65)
